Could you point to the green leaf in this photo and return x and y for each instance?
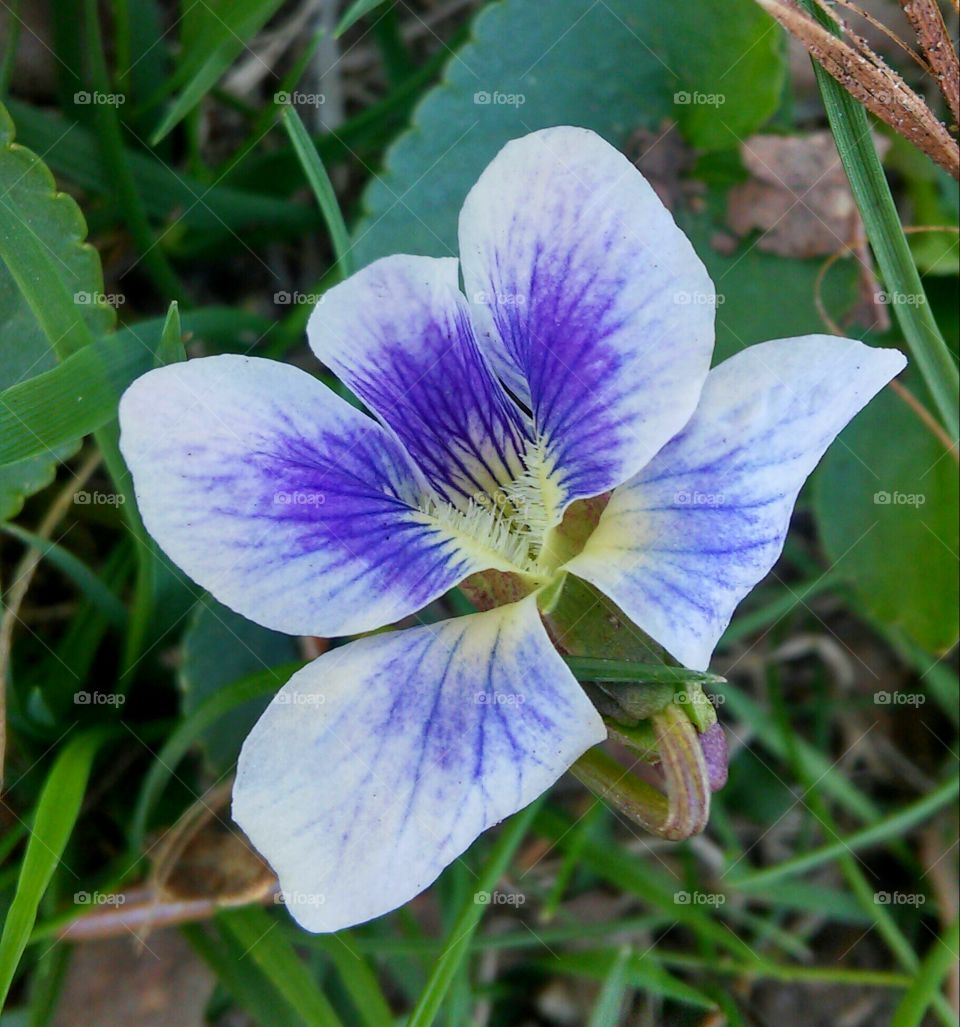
(941, 956)
(359, 980)
(71, 400)
(227, 25)
(896, 825)
(239, 976)
(885, 499)
(640, 971)
(80, 395)
(170, 350)
(184, 204)
(728, 66)
(220, 647)
(534, 52)
(606, 1010)
(628, 84)
(51, 292)
(56, 813)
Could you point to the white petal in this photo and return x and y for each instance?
(593, 305)
(379, 763)
(681, 544)
(399, 334)
(290, 506)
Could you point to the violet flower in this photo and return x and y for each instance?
(575, 361)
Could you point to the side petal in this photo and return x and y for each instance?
(399, 334)
(277, 496)
(379, 763)
(592, 304)
(684, 541)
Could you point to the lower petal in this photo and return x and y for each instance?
(682, 542)
(379, 763)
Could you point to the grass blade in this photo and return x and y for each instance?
(469, 918)
(321, 185)
(76, 570)
(926, 985)
(893, 826)
(851, 131)
(56, 813)
(257, 933)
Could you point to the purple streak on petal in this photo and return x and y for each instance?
(574, 268)
(376, 765)
(681, 543)
(271, 492)
(399, 334)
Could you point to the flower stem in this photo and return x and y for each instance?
(851, 131)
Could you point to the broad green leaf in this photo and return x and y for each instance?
(726, 58)
(220, 647)
(70, 400)
(535, 53)
(51, 292)
(885, 498)
(226, 28)
(53, 821)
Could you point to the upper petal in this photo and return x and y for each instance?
(681, 544)
(379, 763)
(399, 334)
(277, 496)
(592, 304)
